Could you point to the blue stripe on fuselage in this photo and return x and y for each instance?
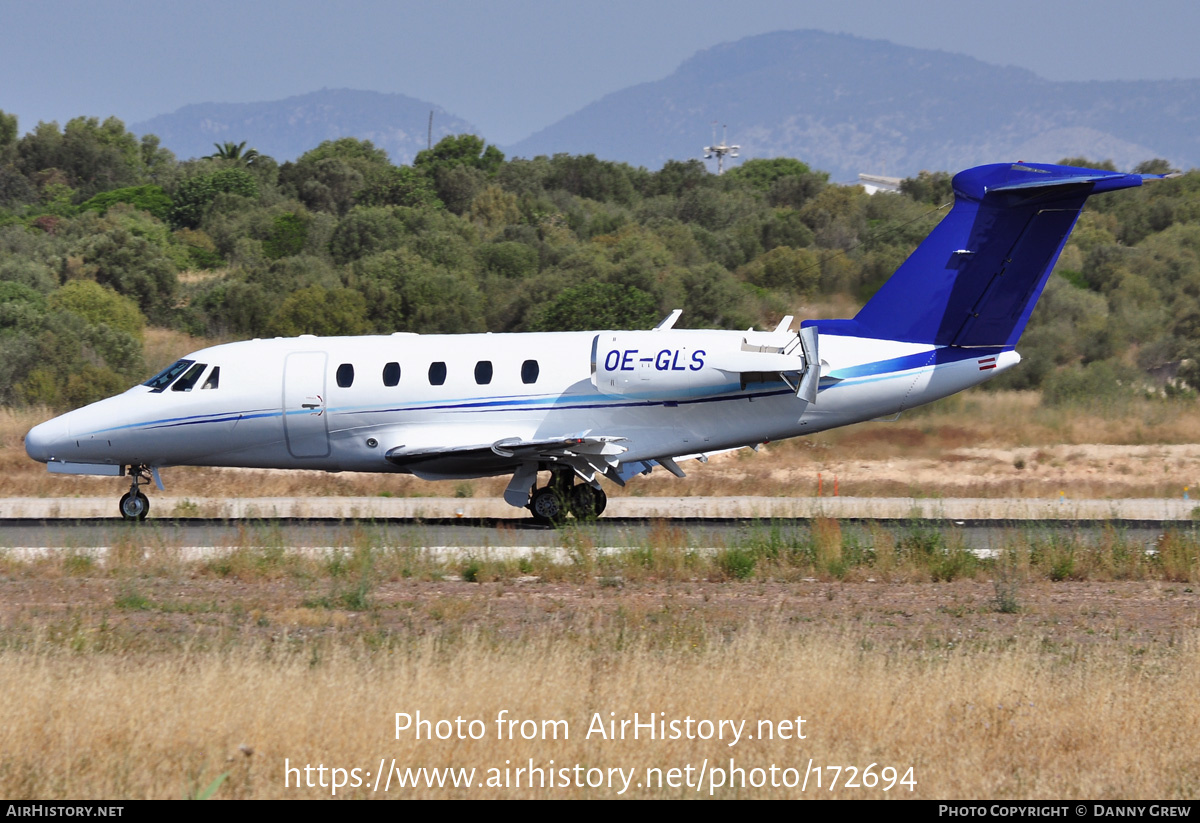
(930, 357)
(878, 370)
(211, 417)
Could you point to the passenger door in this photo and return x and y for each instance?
(304, 421)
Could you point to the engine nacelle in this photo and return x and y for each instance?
(677, 364)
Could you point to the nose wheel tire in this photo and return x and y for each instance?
(134, 506)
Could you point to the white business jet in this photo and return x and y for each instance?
(586, 406)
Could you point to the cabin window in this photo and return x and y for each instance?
(345, 375)
(529, 371)
(483, 372)
(214, 379)
(189, 378)
(163, 379)
(391, 374)
(437, 373)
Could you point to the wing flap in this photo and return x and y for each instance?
(587, 454)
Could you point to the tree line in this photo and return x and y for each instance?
(103, 233)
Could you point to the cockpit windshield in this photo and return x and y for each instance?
(189, 378)
(164, 378)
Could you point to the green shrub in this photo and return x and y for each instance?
(195, 195)
(287, 237)
(150, 199)
(737, 564)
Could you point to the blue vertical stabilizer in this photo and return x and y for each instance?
(974, 281)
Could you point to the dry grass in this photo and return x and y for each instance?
(192, 277)
(362, 556)
(1013, 723)
(972, 445)
(144, 673)
(147, 675)
(164, 346)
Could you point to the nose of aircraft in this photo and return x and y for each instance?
(44, 440)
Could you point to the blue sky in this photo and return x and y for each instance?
(514, 67)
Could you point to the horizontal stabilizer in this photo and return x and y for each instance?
(1043, 183)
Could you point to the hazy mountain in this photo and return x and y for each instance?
(847, 105)
(840, 103)
(285, 129)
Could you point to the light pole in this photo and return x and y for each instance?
(719, 150)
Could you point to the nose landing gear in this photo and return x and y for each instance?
(134, 505)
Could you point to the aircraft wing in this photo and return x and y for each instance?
(625, 471)
(587, 454)
(513, 448)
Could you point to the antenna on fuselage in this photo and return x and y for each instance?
(719, 150)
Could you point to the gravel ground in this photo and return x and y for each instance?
(152, 612)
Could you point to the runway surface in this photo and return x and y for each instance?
(202, 537)
(389, 508)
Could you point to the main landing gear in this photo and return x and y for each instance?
(552, 503)
(135, 505)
